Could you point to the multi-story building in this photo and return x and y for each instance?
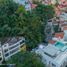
(11, 46)
(54, 55)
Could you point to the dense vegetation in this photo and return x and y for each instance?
(26, 59)
(16, 21)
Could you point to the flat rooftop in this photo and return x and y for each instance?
(58, 55)
(51, 50)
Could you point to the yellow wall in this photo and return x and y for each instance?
(23, 48)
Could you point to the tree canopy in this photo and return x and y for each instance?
(38, 20)
(16, 21)
(9, 18)
(26, 59)
(45, 12)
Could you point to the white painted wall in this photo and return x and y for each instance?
(7, 46)
(47, 59)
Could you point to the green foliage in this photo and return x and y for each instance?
(34, 32)
(38, 20)
(20, 9)
(3, 66)
(26, 59)
(7, 17)
(45, 12)
(15, 20)
(41, 14)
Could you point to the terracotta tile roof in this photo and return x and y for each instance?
(59, 35)
(33, 6)
(51, 41)
(65, 28)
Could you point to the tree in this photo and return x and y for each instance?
(45, 12)
(26, 59)
(37, 20)
(33, 24)
(15, 20)
(3, 66)
(34, 33)
(9, 12)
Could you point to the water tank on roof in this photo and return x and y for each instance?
(41, 46)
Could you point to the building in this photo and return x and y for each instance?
(1, 55)
(11, 46)
(54, 55)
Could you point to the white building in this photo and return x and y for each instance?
(11, 47)
(54, 55)
(1, 54)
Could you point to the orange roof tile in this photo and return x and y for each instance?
(59, 35)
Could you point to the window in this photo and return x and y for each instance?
(50, 21)
(5, 50)
(0, 54)
(13, 51)
(22, 42)
(0, 58)
(53, 65)
(14, 46)
(7, 54)
(49, 62)
(5, 45)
